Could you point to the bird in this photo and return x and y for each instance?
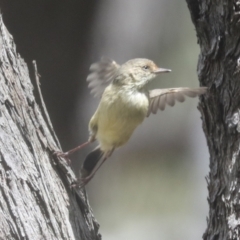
(125, 102)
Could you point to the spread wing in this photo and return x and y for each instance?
(159, 98)
(102, 73)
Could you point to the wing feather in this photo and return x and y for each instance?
(162, 99)
(159, 98)
(179, 96)
(102, 74)
(170, 99)
(155, 104)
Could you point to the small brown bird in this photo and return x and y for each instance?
(125, 102)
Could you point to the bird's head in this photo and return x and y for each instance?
(138, 72)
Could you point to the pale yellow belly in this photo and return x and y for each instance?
(119, 112)
(116, 125)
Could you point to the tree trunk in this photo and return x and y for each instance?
(36, 201)
(218, 31)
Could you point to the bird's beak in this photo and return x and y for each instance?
(162, 70)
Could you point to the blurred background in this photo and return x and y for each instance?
(154, 187)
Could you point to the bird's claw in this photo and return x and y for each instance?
(81, 182)
(62, 155)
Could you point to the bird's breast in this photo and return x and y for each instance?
(126, 105)
(118, 116)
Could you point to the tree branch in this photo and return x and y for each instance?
(218, 25)
(36, 201)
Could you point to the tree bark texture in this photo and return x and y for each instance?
(217, 26)
(36, 201)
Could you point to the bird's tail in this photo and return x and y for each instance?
(91, 162)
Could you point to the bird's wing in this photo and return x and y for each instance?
(159, 98)
(102, 74)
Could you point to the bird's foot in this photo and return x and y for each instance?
(82, 182)
(64, 155)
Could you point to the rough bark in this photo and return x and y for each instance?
(36, 201)
(218, 31)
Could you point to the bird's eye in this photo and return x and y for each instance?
(145, 67)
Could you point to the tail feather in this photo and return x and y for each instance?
(91, 161)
